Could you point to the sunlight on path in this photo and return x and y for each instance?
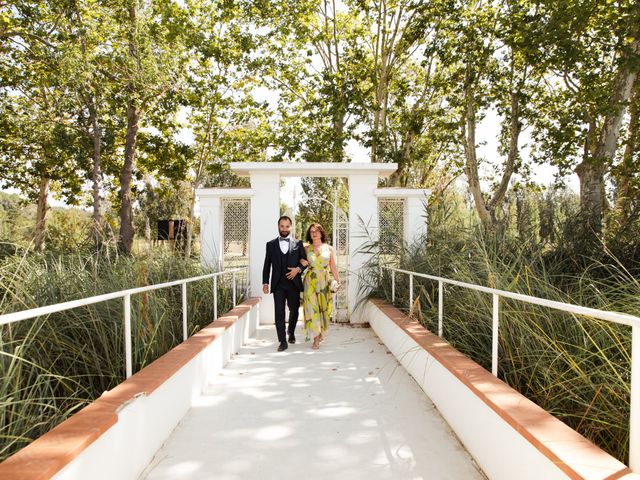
(346, 411)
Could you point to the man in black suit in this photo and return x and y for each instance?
(283, 260)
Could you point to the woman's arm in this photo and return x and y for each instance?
(332, 265)
(303, 261)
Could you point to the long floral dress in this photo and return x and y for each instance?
(317, 301)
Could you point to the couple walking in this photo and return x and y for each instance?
(288, 259)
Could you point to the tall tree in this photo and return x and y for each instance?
(88, 59)
(591, 53)
(392, 35)
(150, 69)
(40, 142)
(421, 133)
(226, 122)
(626, 173)
(488, 71)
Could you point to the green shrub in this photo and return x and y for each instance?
(576, 368)
(52, 366)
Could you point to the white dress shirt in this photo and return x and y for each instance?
(284, 246)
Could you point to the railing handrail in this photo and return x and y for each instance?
(616, 317)
(59, 307)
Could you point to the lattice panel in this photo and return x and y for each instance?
(236, 232)
(342, 259)
(391, 224)
(341, 233)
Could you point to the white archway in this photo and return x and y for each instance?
(264, 198)
(340, 244)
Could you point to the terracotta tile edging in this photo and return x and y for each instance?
(50, 453)
(514, 408)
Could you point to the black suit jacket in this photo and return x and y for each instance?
(272, 262)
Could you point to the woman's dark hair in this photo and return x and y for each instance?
(323, 234)
(284, 217)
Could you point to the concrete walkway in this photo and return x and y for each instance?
(346, 411)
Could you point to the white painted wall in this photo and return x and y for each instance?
(500, 451)
(210, 230)
(143, 425)
(363, 222)
(265, 211)
(415, 217)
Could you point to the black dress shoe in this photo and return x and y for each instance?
(292, 338)
(283, 346)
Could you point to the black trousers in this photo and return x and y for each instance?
(286, 292)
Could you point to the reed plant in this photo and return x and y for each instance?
(54, 365)
(576, 368)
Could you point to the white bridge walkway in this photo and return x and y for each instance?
(346, 411)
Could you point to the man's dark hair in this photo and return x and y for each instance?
(284, 217)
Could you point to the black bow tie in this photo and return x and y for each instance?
(283, 239)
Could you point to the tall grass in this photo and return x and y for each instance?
(52, 366)
(576, 368)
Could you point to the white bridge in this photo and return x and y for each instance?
(382, 398)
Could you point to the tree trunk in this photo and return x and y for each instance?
(338, 129)
(399, 178)
(592, 169)
(126, 201)
(375, 141)
(192, 219)
(42, 213)
(380, 118)
(125, 240)
(514, 135)
(471, 168)
(627, 169)
(381, 95)
(96, 174)
(591, 177)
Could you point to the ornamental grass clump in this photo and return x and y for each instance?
(577, 368)
(54, 365)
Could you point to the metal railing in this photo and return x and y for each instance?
(614, 317)
(126, 296)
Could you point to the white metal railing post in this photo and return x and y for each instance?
(440, 306)
(215, 298)
(634, 419)
(494, 334)
(127, 335)
(184, 310)
(393, 286)
(234, 287)
(410, 293)
(614, 317)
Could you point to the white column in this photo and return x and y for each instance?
(363, 221)
(415, 220)
(265, 210)
(210, 230)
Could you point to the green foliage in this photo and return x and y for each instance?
(52, 366)
(68, 227)
(576, 368)
(315, 207)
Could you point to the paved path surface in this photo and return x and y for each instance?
(346, 411)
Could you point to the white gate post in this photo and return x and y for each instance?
(265, 210)
(210, 228)
(363, 221)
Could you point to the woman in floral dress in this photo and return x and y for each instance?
(317, 301)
